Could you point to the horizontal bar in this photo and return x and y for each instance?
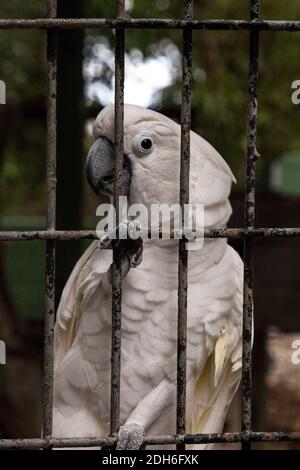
(47, 235)
(70, 442)
(150, 23)
(92, 235)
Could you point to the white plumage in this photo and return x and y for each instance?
(149, 309)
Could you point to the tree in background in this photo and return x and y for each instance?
(22, 151)
(70, 119)
(220, 64)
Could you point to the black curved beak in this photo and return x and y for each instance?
(100, 166)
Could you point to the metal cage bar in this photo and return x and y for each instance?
(51, 222)
(249, 219)
(116, 267)
(152, 23)
(247, 233)
(241, 232)
(186, 106)
(236, 437)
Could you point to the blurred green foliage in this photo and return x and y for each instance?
(25, 267)
(22, 119)
(220, 61)
(24, 264)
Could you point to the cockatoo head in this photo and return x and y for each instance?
(152, 163)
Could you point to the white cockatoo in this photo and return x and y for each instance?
(149, 303)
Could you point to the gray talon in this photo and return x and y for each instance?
(136, 259)
(105, 242)
(131, 256)
(130, 437)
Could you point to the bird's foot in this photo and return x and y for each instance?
(130, 437)
(105, 242)
(136, 259)
(135, 253)
(131, 255)
(127, 230)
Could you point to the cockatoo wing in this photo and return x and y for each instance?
(68, 313)
(73, 374)
(220, 375)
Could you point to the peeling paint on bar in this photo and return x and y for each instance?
(249, 218)
(65, 235)
(18, 444)
(186, 106)
(151, 23)
(117, 249)
(48, 370)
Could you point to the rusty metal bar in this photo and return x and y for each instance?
(150, 23)
(117, 255)
(51, 220)
(20, 236)
(249, 218)
(18, 444)
(186, 105)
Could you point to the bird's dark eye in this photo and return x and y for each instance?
(143, 144)
(146, 143)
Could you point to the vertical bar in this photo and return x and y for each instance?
(51, 216)
(249, 220)
(116, 268)
(186, 106)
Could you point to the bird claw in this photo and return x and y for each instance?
(136, 258)
(130, 249)
(131, 257)
(130, 437)
(126, 229)
(105, 242)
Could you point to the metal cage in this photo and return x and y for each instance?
(51, 24)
